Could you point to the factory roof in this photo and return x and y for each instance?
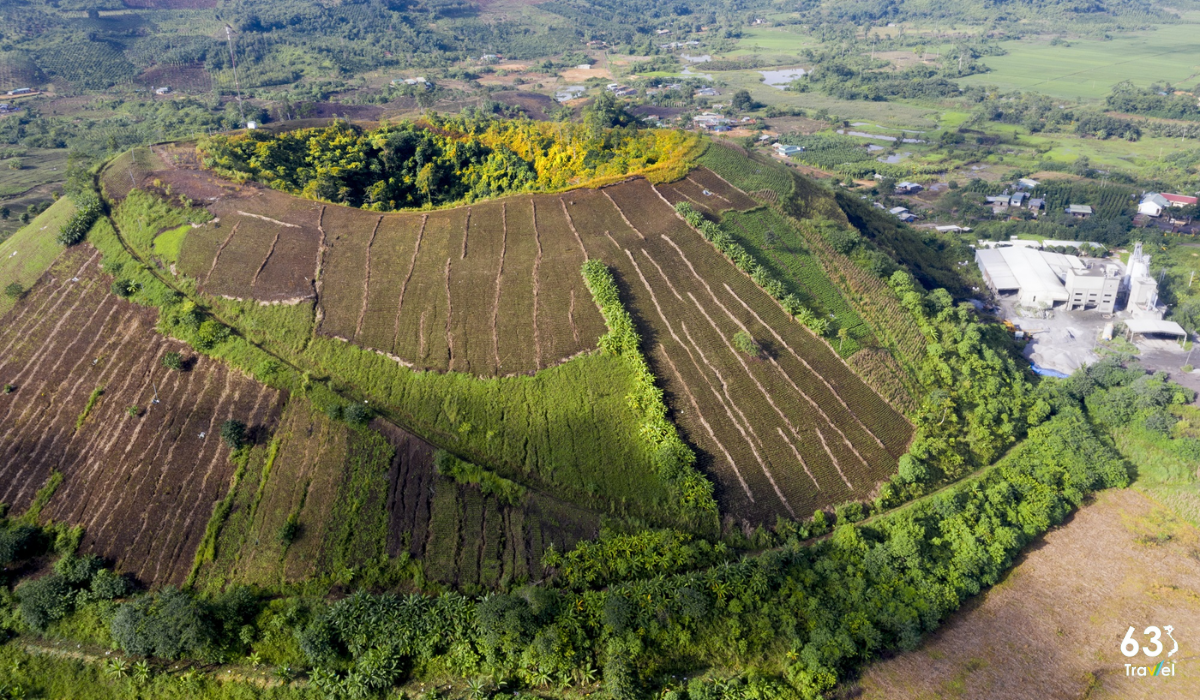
(1143, 326)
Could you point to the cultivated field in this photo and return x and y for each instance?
(1088, 68)
(784, 433)
(360, 496)
(142, 482)
(1053, 627)
(459, 289)
(495, 288)
(29, 251)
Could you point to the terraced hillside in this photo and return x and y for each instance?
(85, 371)
(495, 289)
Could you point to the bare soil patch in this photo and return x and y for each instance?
(1053, 627)
(534, 105)
(576, 75)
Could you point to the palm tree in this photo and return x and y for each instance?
(476, 689)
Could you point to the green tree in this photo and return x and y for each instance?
(13, 290)
(233, 432)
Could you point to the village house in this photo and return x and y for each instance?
(1154, 203)
(787, 150)
(20, 91)
(908, 188)
(1079, 211)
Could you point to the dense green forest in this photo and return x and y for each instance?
(446, 160)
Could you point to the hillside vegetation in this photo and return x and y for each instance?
(558, 438)
(444, 161)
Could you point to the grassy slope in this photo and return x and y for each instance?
(27, 254)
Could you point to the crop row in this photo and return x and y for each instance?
(774, 243)
(744, 171)
(778, 436)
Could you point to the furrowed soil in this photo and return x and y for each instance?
(494, 289)
(1053, 628)
(443, 290)
(783, 433)
(142, 482)
(359, 496)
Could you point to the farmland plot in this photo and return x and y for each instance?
(785, 432)
(357, 496)
(142, 482)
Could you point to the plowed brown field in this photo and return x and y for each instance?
(143, 485)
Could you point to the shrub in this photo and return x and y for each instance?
(169, 625)
(289, 530)
(10, 388)
(124, 288)
(77, 571)
(107, 585)
(233, 432)
(850, 512)
(43, 601)
(14, 290)
(357, 414)
(173, 360)
(17, 542)
(210, 334)
(744, 342)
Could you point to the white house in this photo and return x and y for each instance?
(1153, 204)
(787, 150)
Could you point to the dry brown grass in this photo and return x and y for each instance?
(1053, 627)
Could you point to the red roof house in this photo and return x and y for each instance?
(1179, 200)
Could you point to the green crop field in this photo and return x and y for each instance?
(1088, 68)
(25, 169)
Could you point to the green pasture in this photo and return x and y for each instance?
(37, 167)
(885, 114)
(1088, 68)
(27, 254)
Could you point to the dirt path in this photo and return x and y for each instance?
(1053, 628)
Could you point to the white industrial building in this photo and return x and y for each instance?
(1049, 280)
